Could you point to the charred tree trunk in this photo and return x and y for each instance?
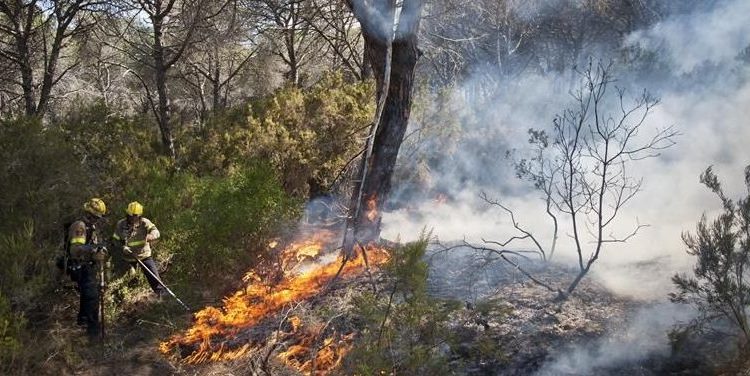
(375, 184)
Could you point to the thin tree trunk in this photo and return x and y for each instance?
(48, 79)
(160, 73)
(27, 73)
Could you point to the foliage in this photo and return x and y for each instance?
(26, 268)
(114, 150)
(719, 286)
(212, 224)
(11, 324)
(40, 178)
(306, 135)
(404, 329)
(225, 229)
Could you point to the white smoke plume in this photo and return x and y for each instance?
(641, 340)
(705, 94)
(691, 40)
(711, 118)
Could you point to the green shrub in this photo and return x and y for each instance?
(230, 219)
(719, 286)
(11, 325)
(25, 268)
(41, 179)
(114, 150)
(211, 225)
(307, 136)
(405, 331)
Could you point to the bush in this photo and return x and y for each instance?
(114, 150)
(307, 136)
(11, 325)
(41, 179)
(719, 286)
(404, 331)
(226, 228)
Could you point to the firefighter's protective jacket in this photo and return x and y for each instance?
(134, 236)
(81, 236)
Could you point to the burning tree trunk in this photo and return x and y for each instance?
(393, 59)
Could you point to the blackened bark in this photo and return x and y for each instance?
(27, 75)
(23, 33)
(376, 183)
(217, 102)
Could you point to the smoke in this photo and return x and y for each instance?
(644, 339)
(704, 89)
(709, 115)
(691, 40)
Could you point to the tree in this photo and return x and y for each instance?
(720, 284)
(582, 170)
(223, 52)
(335, 24)
(392, 52)
(286, 25)
(35, 33)
(158, 43)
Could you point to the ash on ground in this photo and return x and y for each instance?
(593, 332)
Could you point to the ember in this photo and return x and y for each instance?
(372, 208)
(227, 333)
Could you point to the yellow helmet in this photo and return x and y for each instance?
(134, 208)
(95, 206)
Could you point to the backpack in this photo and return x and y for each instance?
(65, 263)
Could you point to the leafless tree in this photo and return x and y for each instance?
(34, 35)
(287, 29)
(336, 25)
(582, 171)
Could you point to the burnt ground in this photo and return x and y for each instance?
(522, 329)
(593, 332)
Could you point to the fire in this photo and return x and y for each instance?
(372, 208)
(327, 355)
(306, 249)
(227, 333)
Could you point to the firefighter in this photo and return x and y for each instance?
(134, 235)
(85, 252)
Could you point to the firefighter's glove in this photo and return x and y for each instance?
(127, 251)
(150, 237)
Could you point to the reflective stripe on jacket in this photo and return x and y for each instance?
(77, 235)
(135, 237)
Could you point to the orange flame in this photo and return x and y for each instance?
(217, 332)
(306, 250)
(372, 207)
(327, 354)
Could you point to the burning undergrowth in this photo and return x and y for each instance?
(267, 322)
